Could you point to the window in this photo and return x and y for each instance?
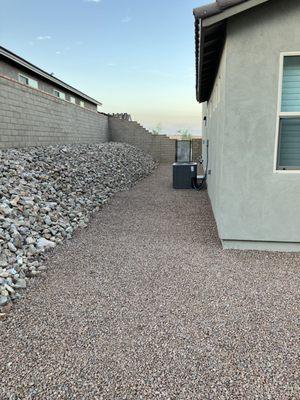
(25, 80)
(59, 94)
(72, 100)
(81, 103)
(288, 154)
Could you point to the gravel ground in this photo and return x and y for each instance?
(46, 193)
(144, 304)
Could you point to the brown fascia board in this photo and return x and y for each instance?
(8, 55)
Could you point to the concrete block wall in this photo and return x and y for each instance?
(161, 147)
(30, 117)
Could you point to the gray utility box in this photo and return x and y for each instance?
(184, 174)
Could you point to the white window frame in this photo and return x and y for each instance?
(72, 100)
(25, 77)
(281, 114)
(61, 95)
(82, 104)
(29, 81)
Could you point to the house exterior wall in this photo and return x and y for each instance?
(254, 206)
(213, 136)
(30, 117)
(11, 71)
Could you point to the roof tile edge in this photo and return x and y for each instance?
(215, 8)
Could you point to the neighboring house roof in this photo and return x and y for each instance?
(210, 32)
(8, 55)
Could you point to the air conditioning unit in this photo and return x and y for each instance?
(184, 175)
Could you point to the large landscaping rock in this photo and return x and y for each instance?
(46, 193)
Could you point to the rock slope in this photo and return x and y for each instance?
(46, 193)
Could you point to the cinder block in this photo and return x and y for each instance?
(33, 117)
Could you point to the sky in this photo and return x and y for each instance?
(135, 56)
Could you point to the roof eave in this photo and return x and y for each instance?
(206, 18)
(38, 71)
(234, 9)
(209, 47)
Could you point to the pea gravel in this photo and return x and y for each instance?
(46, 193)
(144, 304)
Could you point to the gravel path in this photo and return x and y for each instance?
(144, 304)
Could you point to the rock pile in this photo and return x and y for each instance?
(48, 192)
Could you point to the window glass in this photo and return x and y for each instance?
(59, 94)
(23, 79)
(33, 83)
(289, 143)
(28, 81)
(291, 84)
(288, 153)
